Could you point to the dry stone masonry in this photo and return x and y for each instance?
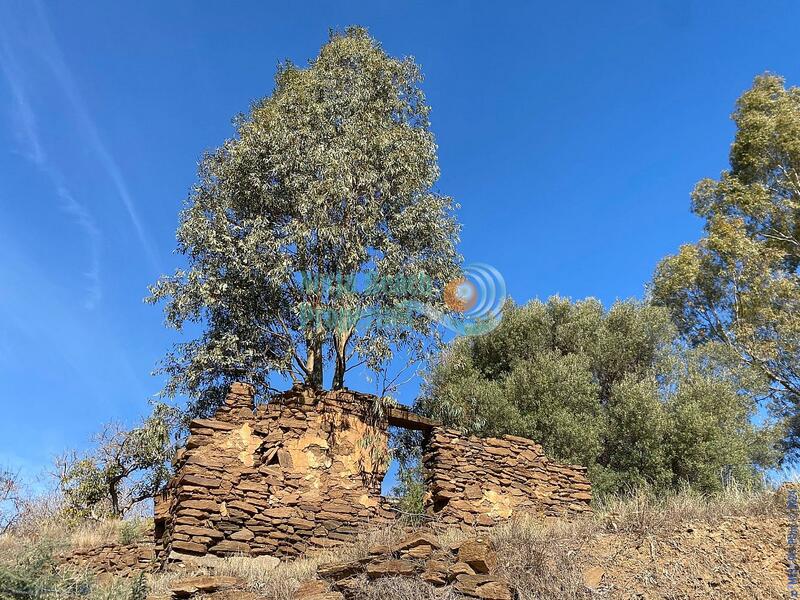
(121, 560)
(304, 471)
(477, 482)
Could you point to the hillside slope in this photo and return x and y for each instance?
(732, 545)
(638, 548)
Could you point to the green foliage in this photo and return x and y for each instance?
(612, 390)
(409, 487)
(83, 484)
(139, 588)
(738, 286)
(34, 574)
(327, 181)
(132, 530)
(125, 467)
(410, 491)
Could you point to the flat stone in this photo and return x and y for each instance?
(243, 535)
(278, 512)
(418, 552)
(337, 571)
(190, 547)
(204, 505)
(434, 578)
(390, 568)
(242, 506)
(592, 577)
(207, 482)
(421, 538)
(482, 586)
(478, 554)
(199, 531)
(211, 424)
(460, 568)
(313, 588)
(188, 587)
(230, 547)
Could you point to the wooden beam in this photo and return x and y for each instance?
(399, 416)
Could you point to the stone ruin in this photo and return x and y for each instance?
(304, 472)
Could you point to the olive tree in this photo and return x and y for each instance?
(615, 390)
(316, 220)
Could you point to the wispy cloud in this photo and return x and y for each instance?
(51, 53)
(24, 118)
(42, 42)
(27, 134)
(81, 215)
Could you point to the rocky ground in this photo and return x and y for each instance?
(739, 552)
(732, 545)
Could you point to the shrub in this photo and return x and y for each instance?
(615, 390)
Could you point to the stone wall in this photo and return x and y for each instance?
(121, 560)
(473, 481)
(303, 471)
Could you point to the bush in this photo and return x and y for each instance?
(132, 530)
(34, 574)
(410, 491)
(614, 390)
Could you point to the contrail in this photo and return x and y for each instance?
(26, 120)
(48, 49)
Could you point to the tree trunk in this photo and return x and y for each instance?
(338, 374)
(113, 494)
(314, 364)
(340, 346)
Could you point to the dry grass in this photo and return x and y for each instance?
(41, 520)
(541, 559)
(404, 589)
(646, 512)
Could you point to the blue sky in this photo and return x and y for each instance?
(570, 133)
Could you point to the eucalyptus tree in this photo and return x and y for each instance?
(739, 286)
(310, 229)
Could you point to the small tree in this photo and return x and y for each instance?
(312, 225)
(9, 500)
(125, 467)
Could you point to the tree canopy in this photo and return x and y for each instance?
(738, 286)
(326, 189)
(609, 389)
